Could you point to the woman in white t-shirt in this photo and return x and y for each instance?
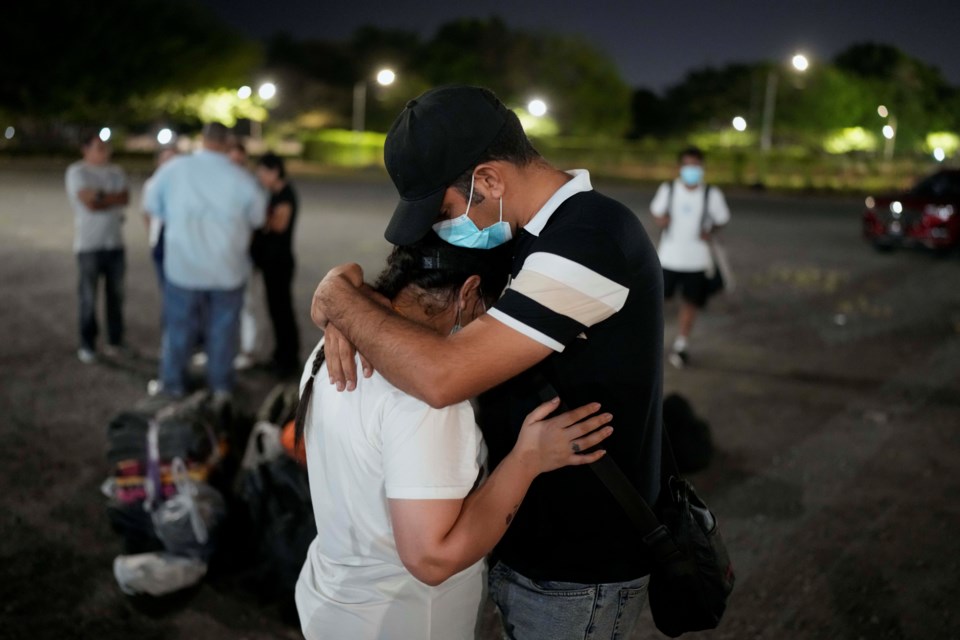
(403, 523)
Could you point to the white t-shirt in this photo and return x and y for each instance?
(681, 248)
(362, 448)
(156, 224)
(101, 229)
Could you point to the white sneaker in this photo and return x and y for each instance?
(243, 361)
(86, 356)
(154, 387)
(678, 359)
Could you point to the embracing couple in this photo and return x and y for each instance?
(510, 282)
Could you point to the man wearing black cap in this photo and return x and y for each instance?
(582, 314)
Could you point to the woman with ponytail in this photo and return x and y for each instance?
(404, 518)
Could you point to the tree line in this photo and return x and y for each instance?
(136, 62)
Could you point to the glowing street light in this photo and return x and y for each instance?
(244, 92)
(889, 131)
(537, 108)
(939, 154)
(739, 123)
(385, 77)
(9, 133)
(267, 90)
(164, 136)
(105, 133)
(800, 64)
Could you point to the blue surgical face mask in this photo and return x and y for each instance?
(463, 232)
(691, 174)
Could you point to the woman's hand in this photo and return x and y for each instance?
(546, 444)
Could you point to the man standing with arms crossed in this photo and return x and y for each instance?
(98, 191)
(582, 314)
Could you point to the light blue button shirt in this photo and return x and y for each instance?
(209, 207)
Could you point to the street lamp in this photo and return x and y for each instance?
(537, 108)
(244, 92)
(889, 131)
(267, 90)
(739, 123)
(384, 78)
(800, 64)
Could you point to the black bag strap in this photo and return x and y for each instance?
(706, 206)
(654, 534)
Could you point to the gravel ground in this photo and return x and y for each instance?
(831, 379)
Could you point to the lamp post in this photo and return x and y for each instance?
(384, 78)
(800, 63)
(266, 91)
(889, 131)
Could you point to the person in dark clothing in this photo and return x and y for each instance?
(272, 252)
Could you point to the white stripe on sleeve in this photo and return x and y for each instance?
(576, 276)
(526, 330)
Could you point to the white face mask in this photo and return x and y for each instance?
(463, 232)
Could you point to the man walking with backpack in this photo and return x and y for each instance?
(689, 212)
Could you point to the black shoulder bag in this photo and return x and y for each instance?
(692, 575)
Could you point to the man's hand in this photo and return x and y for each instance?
(662, 221)
(349, 272)
(707, 234)
(341, 361)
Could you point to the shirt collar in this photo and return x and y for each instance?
(578, 183)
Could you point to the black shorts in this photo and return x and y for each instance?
(693, 286)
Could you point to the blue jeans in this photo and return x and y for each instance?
(111, 265)
(566, 610)
(187, 313)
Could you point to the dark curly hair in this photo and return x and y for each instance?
(439, 270)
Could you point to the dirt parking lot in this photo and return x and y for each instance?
(830, 377)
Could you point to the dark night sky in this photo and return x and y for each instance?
(653, 43)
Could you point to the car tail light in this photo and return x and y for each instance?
(937, 211)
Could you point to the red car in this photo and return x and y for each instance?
(926, 215)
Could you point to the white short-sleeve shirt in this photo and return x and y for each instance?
(681, 248)
(363, 448)
(101, 229)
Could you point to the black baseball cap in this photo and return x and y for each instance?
(436, 137)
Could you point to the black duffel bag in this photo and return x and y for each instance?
(692, 575)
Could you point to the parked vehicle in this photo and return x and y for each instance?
(927, 215)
